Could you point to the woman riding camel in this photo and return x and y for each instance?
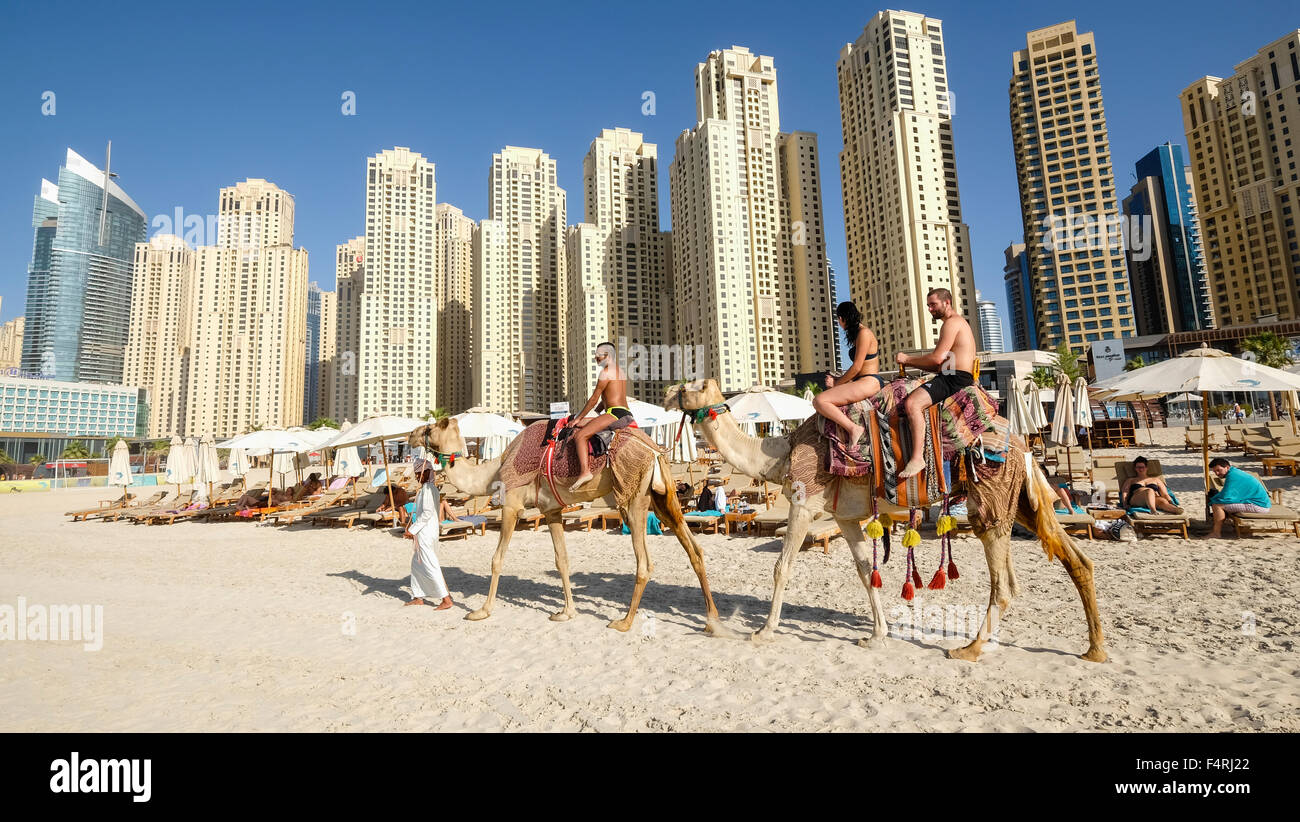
(860, 382)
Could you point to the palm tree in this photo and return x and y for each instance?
(435, 414)
(1067, 362)
(1268, 349)
(322, 422)
(36, 459)
(76, 450)
(1135, 363)
(1041, 377)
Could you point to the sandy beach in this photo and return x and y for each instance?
(243, 627)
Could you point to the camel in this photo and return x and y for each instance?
(651, 487)
(769, 458)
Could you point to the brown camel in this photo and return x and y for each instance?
(645, 486)
(769, 458)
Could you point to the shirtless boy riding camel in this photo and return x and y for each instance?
(611, 395)
(953, 358)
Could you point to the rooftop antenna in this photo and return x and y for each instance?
(103, 206)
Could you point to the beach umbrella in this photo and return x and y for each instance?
(648, 415)
(1063, 431)
(207, 469)
(272, 441)
(119, 467)
(479, 423)
(191, 456)
(378, 429)
(1202, 370)
(283, 462)
(237, 465)
(1083, 408)
(1019, 421)
(177, 471)
(762, 404)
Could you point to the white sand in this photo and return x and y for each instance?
(236, 626)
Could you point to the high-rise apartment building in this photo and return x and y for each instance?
(455, 309)
(326, 341)
(79, 281)
(397, 368)
(1015, 276)
(349, 282)
(311, 355)
(162, 320)
(617, 276)
(519, 286)
(1166, 271)
(1247, 186)
(248, 351)
(902, 210)
(990, 328)
(11, 342)
(738, 296)
(1078, 279)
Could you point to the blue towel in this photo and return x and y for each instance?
(1240, 487)
(1138, 509)
(651, 525)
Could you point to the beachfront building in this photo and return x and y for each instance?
(1078, 279)
(11, 342)
(898, 169)
(397, 372)
(248, 350)
(349, 278)
(519, 286)
(1166, 271)
(79, 281)
(455, 309)
(162, 318)
(990, 327)
(325, 343)
(40, 417)
(1246, 184)
(617, 266)
(1015, 277)
(311, 352)
(736, 298)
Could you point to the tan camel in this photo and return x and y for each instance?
(769, 458)
(652, 488)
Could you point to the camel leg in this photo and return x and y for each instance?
(635, 515)
(795, 531)
(852, 531)
(509, 516)
(1079, 566)
(555, 523)
(666, 507)
(997, 550)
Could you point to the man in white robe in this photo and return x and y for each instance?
(426, 573)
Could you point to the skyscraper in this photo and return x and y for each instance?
(11, 342)
(247, 359)
(162, 320)
(1246, 183)
(455, 309)
(397, 366)
(1078, 280)
(349, 279)
(738, 295)
(79, 282)
(311, 366)
(990, 338)
(617, 264)
(520, 286)
(1166, 271)
(1015, 276)
(327, 340)
(902, 210)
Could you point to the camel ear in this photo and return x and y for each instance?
(442, 423)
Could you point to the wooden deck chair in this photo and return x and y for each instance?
(1278, 518)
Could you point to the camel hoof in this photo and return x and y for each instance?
(969, 653)
(720, 631)
(475, 616)
(762, 635)
(1095, 655)
(562, 616)
(621, 625)
(873, 643)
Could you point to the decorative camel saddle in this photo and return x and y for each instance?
(538, 455)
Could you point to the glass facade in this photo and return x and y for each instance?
(311, 382)
(79, 291)
(1176, 217)
(86, 410)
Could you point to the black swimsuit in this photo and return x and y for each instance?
(853, 355)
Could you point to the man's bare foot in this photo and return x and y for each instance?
(416, 601)
(581, 481)
(912, 468)
(444, 605)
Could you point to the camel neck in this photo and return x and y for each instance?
(474, 479)
(764, 458)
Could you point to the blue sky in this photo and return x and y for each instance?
(196, 97)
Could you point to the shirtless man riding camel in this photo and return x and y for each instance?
(953, 358)
(611, 395)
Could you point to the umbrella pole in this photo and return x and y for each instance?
(1205, 438)
(1290, 402)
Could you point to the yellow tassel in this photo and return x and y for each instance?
(911, 538)
(886, 520)
(945, 524)
(874, 529)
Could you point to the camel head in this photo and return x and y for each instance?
(690, 396)
(442, 437)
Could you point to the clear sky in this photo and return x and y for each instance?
(200, 96)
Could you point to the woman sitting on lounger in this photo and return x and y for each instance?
(1146, 492)
(861, 382)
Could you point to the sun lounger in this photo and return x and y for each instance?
(1278, 518)
(115, 504)
(1075, 522)
(820, 532)
(588, 516)
(329, 499)
(1192, 438)
(177, 505)
(707, 522)
(1153, 522)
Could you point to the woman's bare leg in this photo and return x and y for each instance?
(830, 404)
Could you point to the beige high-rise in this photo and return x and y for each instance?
(396, 367)
(621, 285)
(11, 342)
(734, 278)
(349, 279)
(248, 351)
(519, 286)
(1245, 183)
(1079, 287)
(159, 336)
(455, 310)
(902, 210)
(327, 342)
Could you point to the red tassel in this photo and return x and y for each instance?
(713, 415)
(952, 570)
(939, 580)
(876, 582)
(916, 579)
(908, 591)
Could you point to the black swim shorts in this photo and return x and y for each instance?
(944, 386)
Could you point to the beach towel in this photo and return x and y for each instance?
(652, 525)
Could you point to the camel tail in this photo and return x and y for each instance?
(670, 507)
(1041, 515)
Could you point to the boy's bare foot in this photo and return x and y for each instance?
(912, 468)
(581, 481)
(416, 601)
(444, 605)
